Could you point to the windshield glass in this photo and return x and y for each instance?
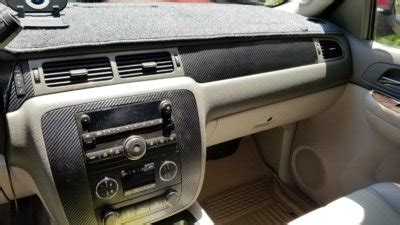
(269, 3)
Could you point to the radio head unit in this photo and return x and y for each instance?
(131, 151)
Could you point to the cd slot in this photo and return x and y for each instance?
(90, 139)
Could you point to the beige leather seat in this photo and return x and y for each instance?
(378, 204)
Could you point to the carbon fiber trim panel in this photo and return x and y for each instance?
(16, 101)
(67, 158)
(206, 63)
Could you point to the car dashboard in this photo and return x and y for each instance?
(111, 117)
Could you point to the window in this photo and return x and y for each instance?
(387, 30)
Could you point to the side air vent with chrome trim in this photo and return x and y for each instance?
(144, 64)
(330, 49)
(63, 73)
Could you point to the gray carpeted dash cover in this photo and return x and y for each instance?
(103, 24)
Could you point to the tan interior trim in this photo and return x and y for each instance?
(348, 146)
(275, 147)
(270, 116)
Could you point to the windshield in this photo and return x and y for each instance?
(269, 3)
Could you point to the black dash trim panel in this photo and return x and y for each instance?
(15, 101)
(67, 160)
(206, 63)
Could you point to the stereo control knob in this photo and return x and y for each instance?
(168, 171)
(85, 121)
(106, 188)
(111, 218)
(166, 114)
(135, 147)
(171, 198)
(166, 108)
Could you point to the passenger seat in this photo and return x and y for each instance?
(378, 204)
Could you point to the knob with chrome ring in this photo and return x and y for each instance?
(135, 147)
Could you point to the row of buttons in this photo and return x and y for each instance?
(118, 151)
(105, 154)
(138, 169)
(160, 141)
(122, 129)
(143, 208)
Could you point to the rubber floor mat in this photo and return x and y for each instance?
(250, 204)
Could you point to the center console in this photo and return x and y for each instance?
(128, 160)
(132, 151)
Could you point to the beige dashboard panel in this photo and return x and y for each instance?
(270, 116)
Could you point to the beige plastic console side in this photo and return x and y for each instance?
(23, 186)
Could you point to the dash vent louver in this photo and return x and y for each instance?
(69, 72)
(144, 64)
(330, 49)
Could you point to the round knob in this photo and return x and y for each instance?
(106, 188)
(171, 198)
(85, 121)
(166, 108)
(111, 218)
(135, 147)
(168, 171)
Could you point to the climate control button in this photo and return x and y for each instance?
(168, 171)
(107, 188)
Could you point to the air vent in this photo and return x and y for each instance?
(144, 64)
(63, 73)
(330, 49)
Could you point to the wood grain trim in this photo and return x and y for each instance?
(386, 101)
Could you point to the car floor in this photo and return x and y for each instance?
(30, 212)
(240, 189)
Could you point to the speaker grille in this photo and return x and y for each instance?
(309, 168)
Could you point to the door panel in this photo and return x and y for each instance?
(384, 77)
(383, 114)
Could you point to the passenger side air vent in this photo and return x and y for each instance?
(330, 49)
(144, 64)
(62, 73)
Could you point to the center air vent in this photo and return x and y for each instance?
(144, 64)
(330, 49)
(62, 73)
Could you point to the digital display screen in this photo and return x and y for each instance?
(137, 179)
(123, 115)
